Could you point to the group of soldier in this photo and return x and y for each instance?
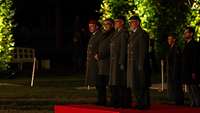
(118, 57)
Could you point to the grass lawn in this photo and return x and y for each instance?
(17, 96)
(48, 90)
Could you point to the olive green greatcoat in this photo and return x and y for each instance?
(138, 67)
(104, 53)
(91, 63)
(118, 49)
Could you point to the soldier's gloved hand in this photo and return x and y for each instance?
(96, 57)
(121, 66)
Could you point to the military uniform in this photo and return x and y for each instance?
(120, 95)
(103, 66)
(189, 66)
(91, 64)
(174, 86)
(138, 66)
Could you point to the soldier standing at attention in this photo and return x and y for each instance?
(92, 50)
(138, 65)
(103, 58)
(120, 94)
(174, 86)
(190, 67)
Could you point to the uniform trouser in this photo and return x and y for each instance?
(179, 95)
(120, 96)
(175, 93)
(142, 96)
(101, 83)
(194, 93)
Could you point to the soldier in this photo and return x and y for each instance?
(91, 64)
(103, 58)
(190, 71)
(174, 86)
(138, 66)
(120, 95)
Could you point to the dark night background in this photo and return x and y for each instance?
(48, 26)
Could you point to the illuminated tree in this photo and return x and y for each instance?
(148, 13)
(159, 17)
(106, 10)
(172, 18)
(6, 30)
(194, 16)
(114, 8)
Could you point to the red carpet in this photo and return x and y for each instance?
(97, 109)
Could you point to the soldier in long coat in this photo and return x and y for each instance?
(174, 86)
(92, 50)
(103, 58)
(190, 65)
(138, 66)
(120, 95)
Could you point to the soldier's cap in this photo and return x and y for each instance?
(173, 35)
(110, 20)
(135, 18)
(121, 18)
(92, 21)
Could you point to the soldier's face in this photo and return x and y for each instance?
(187, 34)
(171, 40)
(118, 23)
(92, 28)
(107, 25)
(133, 24)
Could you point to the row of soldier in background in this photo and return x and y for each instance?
(120, 59)
(183, 68)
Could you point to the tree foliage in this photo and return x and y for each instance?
(114, 8)
(122, 7)
(172, 18)
(106, 10)
(159, 17)
(6, 29)
(194, 17)
(148, 11)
